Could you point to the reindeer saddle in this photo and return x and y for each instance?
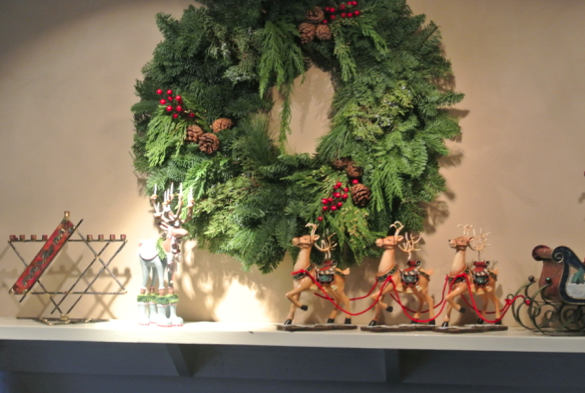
(326, 273)
(411, 275)
(481, 274)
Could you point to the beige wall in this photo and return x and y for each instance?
(66, 76)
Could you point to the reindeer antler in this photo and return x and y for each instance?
(466, 229)
(478, 243)
(313, 229)
(326, 246)
(167, 216)
(410, 244)
(399, 226)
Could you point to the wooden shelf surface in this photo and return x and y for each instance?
(264, 334)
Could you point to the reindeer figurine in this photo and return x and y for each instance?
(459, 270)
(329, 276)
(301, 271)
(484, 280)
(332, 279)
(415, 280)
(387, 268)
(162, 309)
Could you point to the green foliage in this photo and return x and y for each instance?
(172, 299)
(388, 115)
(151, 298)
(164, 133)
(162, 299)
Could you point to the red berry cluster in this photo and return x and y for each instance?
(345, 10)
(174, 104)
(336, 200)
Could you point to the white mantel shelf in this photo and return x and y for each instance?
(263, 334)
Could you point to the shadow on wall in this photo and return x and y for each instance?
(437, 212)
(215, 288)
(24, 20)
(74, 271)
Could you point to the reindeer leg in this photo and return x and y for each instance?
(293, 308)
(451, 296)
(377, 307)
(304, 284)
(342, 298)
(380, 305)
(335, 311)
(452, 305)
(389, 288)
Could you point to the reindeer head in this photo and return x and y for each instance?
(390, 242)
(462, 242)
(306, 241)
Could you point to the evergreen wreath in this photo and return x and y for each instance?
(203, 120)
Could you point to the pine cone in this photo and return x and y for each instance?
(353, 171)
(341, 163)
(323, 32)
(360, 195)
(193, 134)
(307, 31)
(221, 124)
(315, 15)
(209, 143)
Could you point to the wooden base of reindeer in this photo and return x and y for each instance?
(475, 328)
(316, 328)
(406, 327)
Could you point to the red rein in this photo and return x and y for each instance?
(405, 309)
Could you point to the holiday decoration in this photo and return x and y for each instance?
(49, 251)
(208, 143)
(483, 280)
(194, 132)
(391, 280)
(307, 32)
(221, 124)
(388, 116)
(44, 257)
(458, 273)
(323, 32)
(352, 170)
(160, 257)
(341, 163)
(387, 271)
(326, 278)
(315, 15)
(360, 194)
(557, 305)
(478, 280)
(415, 280)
